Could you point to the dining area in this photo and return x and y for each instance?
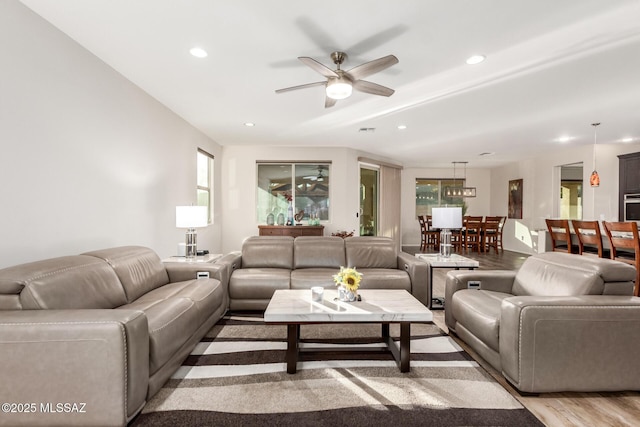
(475, 233)
(615, 240)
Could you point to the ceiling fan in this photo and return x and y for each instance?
(340, 83)
(319, 177)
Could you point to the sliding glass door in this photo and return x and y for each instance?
(369, 185)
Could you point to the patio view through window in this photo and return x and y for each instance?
(430, 193)
(306, 184)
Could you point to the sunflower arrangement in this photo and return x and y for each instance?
(349, 278)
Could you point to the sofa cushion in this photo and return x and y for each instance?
(258, 283)
(268, 252)
(138, 268)
(540, 276)
(306, 278)
(310, 251)
(70, 282)
(172, 321)
(609, 270)
(207, 294)
(383, 278)
(371, 252)
(479, 312)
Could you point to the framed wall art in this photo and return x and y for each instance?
(515, 199)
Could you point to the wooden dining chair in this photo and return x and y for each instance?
(473, 233)
(560, 235)
(492, 233)
(589, 238)
(422, 220)
(433, 234)
(625, 246)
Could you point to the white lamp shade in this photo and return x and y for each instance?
(191, 216)
(446, 217)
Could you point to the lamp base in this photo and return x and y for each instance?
(191, 245)
(445, 243)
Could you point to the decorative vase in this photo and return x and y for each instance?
(270, 219)
(280, 218)
(290, 214)
(345, 294)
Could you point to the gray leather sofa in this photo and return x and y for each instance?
(267, 263)
(561, 323)
(87, 339)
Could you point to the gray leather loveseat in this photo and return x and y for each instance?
(561, 323)
(267, 263)
(87, 339)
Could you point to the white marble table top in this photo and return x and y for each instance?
(454, 261)
(377, 305)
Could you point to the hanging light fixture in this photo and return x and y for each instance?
(455, 191)
(594, 179)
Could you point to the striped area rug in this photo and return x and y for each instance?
(237, 377)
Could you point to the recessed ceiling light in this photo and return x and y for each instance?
(249, 124)
(198, 52)
(627, 139)
(402, 127)
(564, 139)
(475, 59)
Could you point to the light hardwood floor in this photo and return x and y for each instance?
(553, 409)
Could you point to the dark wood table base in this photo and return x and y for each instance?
(401, 355)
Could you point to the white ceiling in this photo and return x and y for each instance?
(552, 68)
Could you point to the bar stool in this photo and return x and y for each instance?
(589, 238)
(625, 246)
(560, 235)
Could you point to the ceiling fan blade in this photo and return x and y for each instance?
(315, 65)
(372, 88)
(329, 102)
(287, 89)
(372, 67)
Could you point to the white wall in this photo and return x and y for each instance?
(479, 205)
(540, 195)
(88, 159)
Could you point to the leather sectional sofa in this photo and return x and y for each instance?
(267, 263)
(561, 323)
(87, 339)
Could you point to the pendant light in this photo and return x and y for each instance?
(594, 180)
(463, 191)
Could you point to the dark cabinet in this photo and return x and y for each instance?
(629, 165)
(294, 231)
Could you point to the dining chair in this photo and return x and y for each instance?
(473, 233)
(422, 220)
(492, 233)
(433, 234)
(625, 246)
(589, 238)
(560, 235)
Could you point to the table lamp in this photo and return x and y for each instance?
(445, 219)
(191, 217)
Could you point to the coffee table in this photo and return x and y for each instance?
(294, 307)
(437, 261)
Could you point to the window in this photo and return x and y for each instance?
(205, 182)
(432, 193)
(306, 184)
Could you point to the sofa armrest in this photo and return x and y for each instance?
(233, 261)
(491, 280)
(419, 274)
(93, 362)
(577, 343)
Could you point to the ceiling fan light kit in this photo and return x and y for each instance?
(340, 84)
